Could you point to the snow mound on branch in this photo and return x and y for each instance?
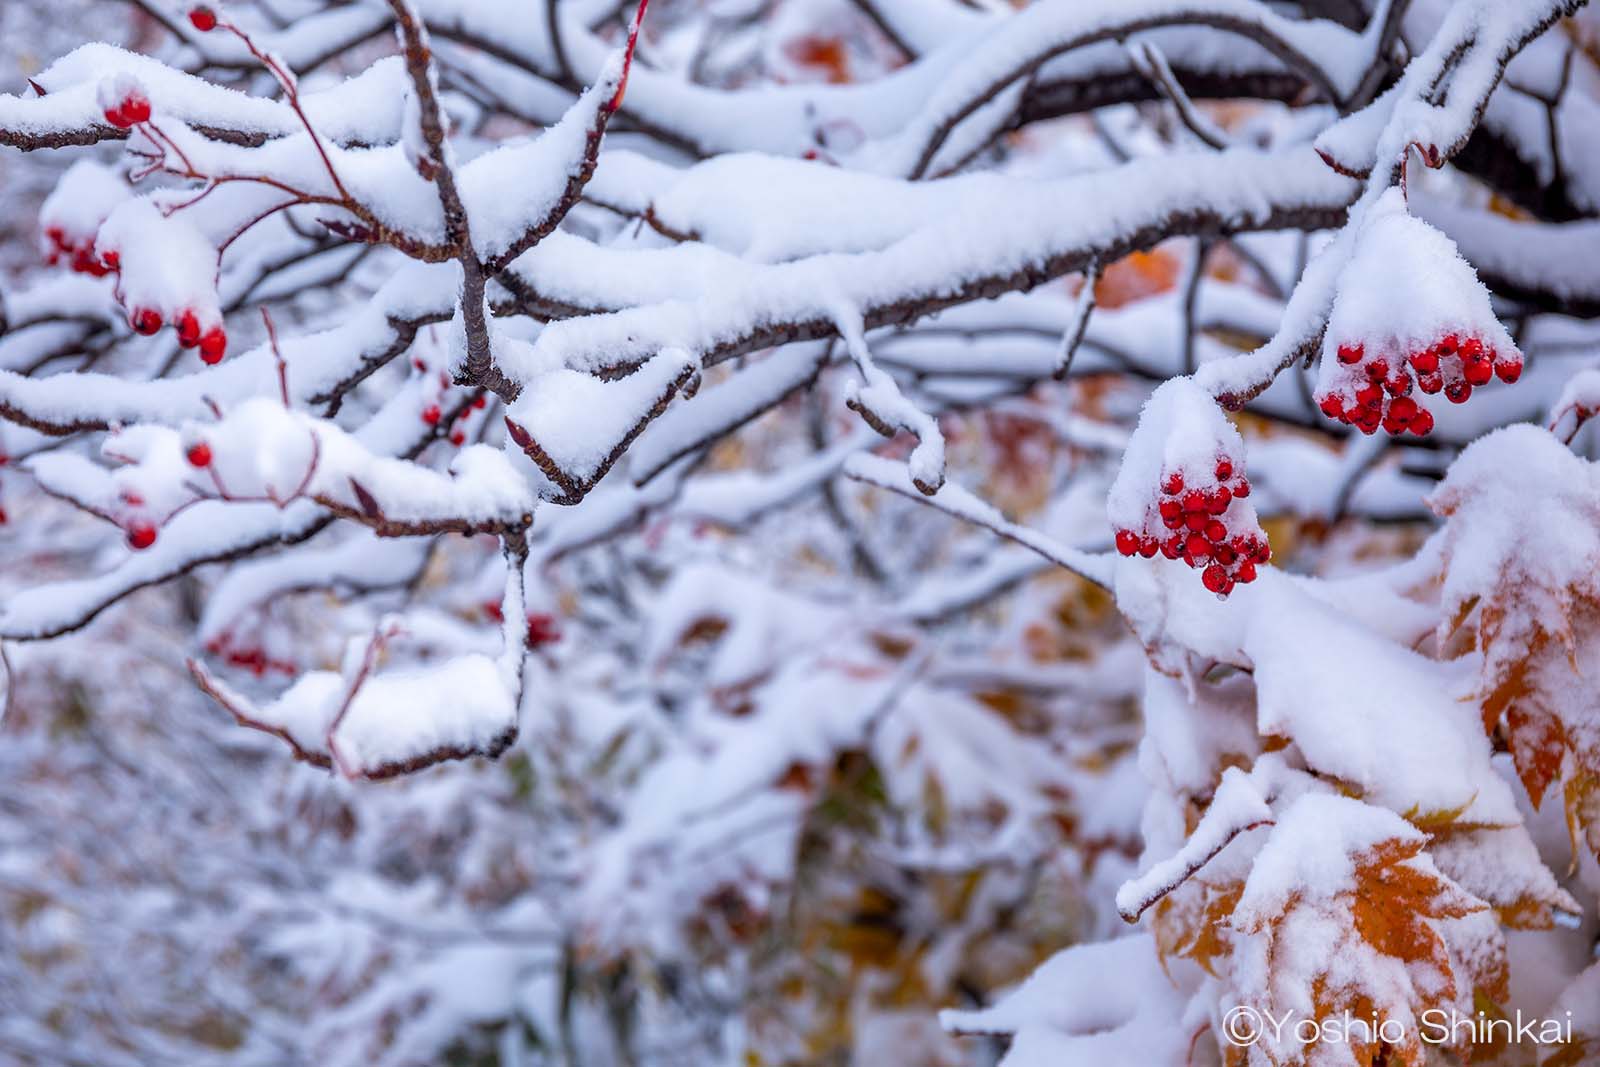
(167, 264)
(516, 187)
(1110, 1002)
(395, 721)
(83, 198)
(574, 423)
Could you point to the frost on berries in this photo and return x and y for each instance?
(1183, 492)
(1410, 321)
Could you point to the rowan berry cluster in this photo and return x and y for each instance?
(1374, 390)
(1203, 523)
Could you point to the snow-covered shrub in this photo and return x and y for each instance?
(856, 507)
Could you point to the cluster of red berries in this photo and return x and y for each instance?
(432, 413)
(81, 256)
(251, 658)
(542, 628)
(132, 109)
(141, 533)
(212, 343)
(1377, 391)
(1196, 529)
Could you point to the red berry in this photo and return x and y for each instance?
(1332, 406)
(1350, 354)
(1220, 499)
(1403, 409)
(1478, 371)
(1457, 392)
(1170, 509)
(1127, 542)
(1197, 547)
(136, 109)
(1448, 344)
(1215, 579)
(146, 321)
(1425, 361)
(188, 329)
(2, 516)
(141, 535)
(203, 18)
(1172, 547)
(1377, 370)
(1471, 349)
(1149, 547)
(117, 117)
(430, 414)
(1398, 383)
(1245, 573)
(480, 401)
(1194, 500)
(1421, 422)
(458, 438)
(1172, 486)
(542, 630)
(1172, 522)
(199, 455)
(1241, 488)
(1509, 370)
(58, 238)
(1430, 383)
(1369, 395)
(1224, 469)
(1223, 554)
(213, 346)
(112, 260)
(1196, 520)
(1216, 531)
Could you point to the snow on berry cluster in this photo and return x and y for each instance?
(165, 268)
(123, 101)
(71, 216)
(1182, 491)
(166, 273)
(1411, 320)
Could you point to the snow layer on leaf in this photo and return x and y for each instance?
(1312, 853)
(1513, 481)
(1370, 713)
